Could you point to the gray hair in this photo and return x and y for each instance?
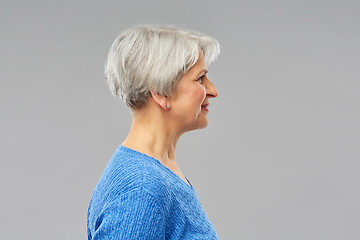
(146, 57)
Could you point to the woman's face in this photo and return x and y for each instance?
(192, 96)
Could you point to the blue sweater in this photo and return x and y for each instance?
(137, 197)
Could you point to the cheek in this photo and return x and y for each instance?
(200, 94)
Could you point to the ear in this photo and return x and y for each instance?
(160, 100)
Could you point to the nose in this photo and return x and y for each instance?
(211, 90)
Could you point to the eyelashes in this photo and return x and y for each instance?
(200, 79)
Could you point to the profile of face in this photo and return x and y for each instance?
(190, 103)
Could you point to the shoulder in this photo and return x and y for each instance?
(127, 172)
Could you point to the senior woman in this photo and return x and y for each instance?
(160, 74)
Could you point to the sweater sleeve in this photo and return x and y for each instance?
(136, 215)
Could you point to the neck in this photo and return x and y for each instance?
(153, 135)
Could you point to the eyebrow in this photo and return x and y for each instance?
(204, 71)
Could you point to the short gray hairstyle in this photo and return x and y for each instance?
(148, 57)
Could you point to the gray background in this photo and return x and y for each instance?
(279, 159)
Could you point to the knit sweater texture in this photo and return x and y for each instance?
(137, 197)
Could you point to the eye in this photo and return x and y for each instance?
(200, 79)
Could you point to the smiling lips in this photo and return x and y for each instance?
(204, 106)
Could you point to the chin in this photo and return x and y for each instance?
(198, 125)
(202, 124)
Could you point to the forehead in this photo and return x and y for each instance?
(195, 71)
(200, 65)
